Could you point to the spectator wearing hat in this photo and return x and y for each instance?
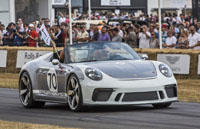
(32, 36)
(131, 37)
(164, 32)
(170, 41)
(116, 37)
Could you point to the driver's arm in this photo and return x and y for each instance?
(55, 53)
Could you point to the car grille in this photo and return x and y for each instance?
(171, 90)
(140, 96)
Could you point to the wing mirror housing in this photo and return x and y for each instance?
(55, 62)
(145, 57)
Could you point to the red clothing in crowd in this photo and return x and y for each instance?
(32, 43)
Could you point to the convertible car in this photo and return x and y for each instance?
(99, 73)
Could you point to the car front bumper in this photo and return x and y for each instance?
(115, 92)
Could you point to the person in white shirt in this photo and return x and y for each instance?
(194, 39)
(62, 19)
(144, 37)
(83, 35)
(170, 40)
(120, 31)
(21, 24)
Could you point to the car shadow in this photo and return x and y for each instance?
(105, 109)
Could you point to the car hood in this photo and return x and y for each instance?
(126, 69)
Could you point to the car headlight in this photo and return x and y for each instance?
(93, 74)
(164, 69)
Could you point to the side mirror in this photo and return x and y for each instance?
(145, 57)
(55, 62)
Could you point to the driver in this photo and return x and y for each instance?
(102, 54)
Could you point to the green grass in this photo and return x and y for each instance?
(188, 90)
(19, 125)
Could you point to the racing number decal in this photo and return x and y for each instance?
(52, 80)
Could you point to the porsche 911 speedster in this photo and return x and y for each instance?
(98, 73)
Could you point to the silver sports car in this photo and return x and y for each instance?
(99, 73)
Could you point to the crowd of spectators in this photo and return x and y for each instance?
(178, 31)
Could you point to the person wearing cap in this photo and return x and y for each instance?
(164, 33)
(32, 36)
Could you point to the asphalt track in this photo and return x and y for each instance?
(179, 116)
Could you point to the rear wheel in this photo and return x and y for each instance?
(74, 93)
(26, 92)
(162, 105)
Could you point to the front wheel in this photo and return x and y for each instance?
(74, 94)
(26, 93)
(162, 105)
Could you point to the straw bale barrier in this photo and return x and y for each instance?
(152, 53)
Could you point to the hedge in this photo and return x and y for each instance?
(152, 53)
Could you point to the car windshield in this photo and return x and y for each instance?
(100, 51)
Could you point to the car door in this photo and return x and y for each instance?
(52, 81)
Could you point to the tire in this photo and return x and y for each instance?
(26, 92)
(162, 105)
(74, 94)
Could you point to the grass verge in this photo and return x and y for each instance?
(18, 125)
(188, 90)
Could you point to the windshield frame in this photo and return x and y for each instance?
(68, 58)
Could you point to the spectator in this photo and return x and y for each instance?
(17, 35)
(58, 37)
(20, 22)
(104, 35)
(7, 41)
(198, 27)
(26, 28)
(83, 35)
(170, 41)
(183, 42)
(137, 31)
(116, 37)
(1, 43)
(46, 22)
(96, 34)
(120, 31)
(144, 37)
(131, 38)
(194, 39)
(62, 18)
(32, 36)
(154, 43)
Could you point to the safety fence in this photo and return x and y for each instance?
(185, 64)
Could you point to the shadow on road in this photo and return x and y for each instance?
(101, 109)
